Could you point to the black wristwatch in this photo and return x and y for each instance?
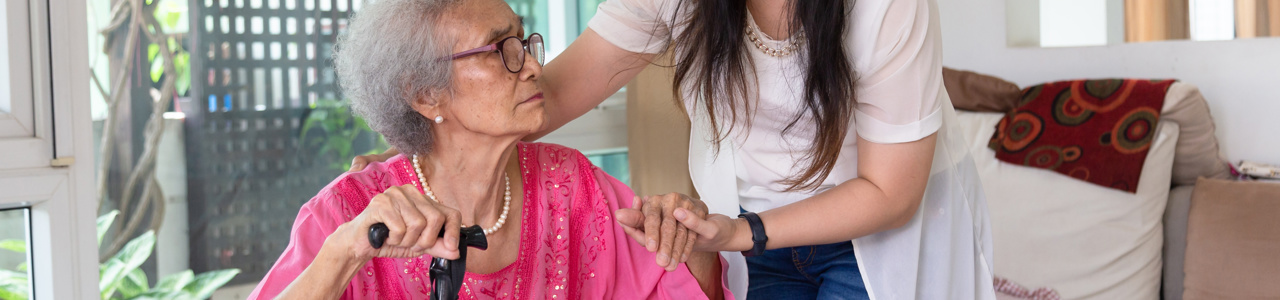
(758, 237)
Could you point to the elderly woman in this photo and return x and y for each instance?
(454, 86)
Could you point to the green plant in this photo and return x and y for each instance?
(341, 132)
(120, 277)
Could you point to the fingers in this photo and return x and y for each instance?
(448, 247)
(652, 222)
(688, 246)
(677, 247)
(631, 216)
(631, 220)
(432, 219)
(635, 234)
(667, 236)
(699, 226)
(387, 214)
(360, 162)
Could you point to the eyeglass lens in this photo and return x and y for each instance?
(513, 52)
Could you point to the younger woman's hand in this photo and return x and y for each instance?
(414, 222)
(362, 161)
(652, 222)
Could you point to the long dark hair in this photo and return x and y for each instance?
(713, 60)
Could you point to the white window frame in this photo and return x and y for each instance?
(38, 168)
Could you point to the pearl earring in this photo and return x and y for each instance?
(439, 119)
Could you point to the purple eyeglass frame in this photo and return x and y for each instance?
(524, 43)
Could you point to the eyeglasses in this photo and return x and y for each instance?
(512, 51)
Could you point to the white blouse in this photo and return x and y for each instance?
(895, 49)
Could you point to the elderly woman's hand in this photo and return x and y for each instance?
(414, 222)
(652, 223)
(362, 161)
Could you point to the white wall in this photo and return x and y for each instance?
(1240, 78)
(1072, 22)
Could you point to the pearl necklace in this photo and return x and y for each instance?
(753, 34)
(506, 198)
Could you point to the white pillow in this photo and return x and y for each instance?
(1083, 240)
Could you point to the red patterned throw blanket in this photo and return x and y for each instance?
(1093, 130)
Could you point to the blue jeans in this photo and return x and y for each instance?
(810, 272)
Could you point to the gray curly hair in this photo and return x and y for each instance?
(389, 57)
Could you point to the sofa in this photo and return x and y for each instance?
(1081, 240)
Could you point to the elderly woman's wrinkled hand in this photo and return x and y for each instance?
(652, 223)
(414, 222)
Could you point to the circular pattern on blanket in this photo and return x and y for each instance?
(1134, 132)
(1024, 129)
(1081, 173)
(1067, 112)
(1103, 88)
(1071, 153)
(1045, 157)
(1120, 185)
(1031, 94)
(1105, 139)
(1101, 95)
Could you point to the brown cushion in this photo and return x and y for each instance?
(979, 92)
(1233, 238)
(1197, 152)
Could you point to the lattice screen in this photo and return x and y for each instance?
(257, 65)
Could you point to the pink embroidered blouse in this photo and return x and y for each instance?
(570, 246)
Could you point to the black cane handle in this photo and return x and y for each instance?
(445, 275)
(471, 237)
(378, 235)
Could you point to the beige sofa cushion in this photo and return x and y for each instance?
(1233, 241)
(1197, 154)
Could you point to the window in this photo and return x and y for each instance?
(4, 62)
(15, 261)
(560, 21)
(16, 107)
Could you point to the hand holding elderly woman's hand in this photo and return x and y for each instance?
(652, 222)
(414, 222)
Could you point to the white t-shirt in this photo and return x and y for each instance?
(898, 63)
(895, 50)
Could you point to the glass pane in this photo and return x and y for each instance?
(15, 260)
(5, 102)
(614, 162)
(586, 10)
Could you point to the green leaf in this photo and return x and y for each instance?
(157, 68)
(180, 62)
(130, 257)
(104, 223)
(14, 285)
(137, 250)
(173, 46)
(19, 246)
(152, 50)
(175, 281)
(205, 283)
(172, 16)
(23, 267)
(134, 284)
(109, 274)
